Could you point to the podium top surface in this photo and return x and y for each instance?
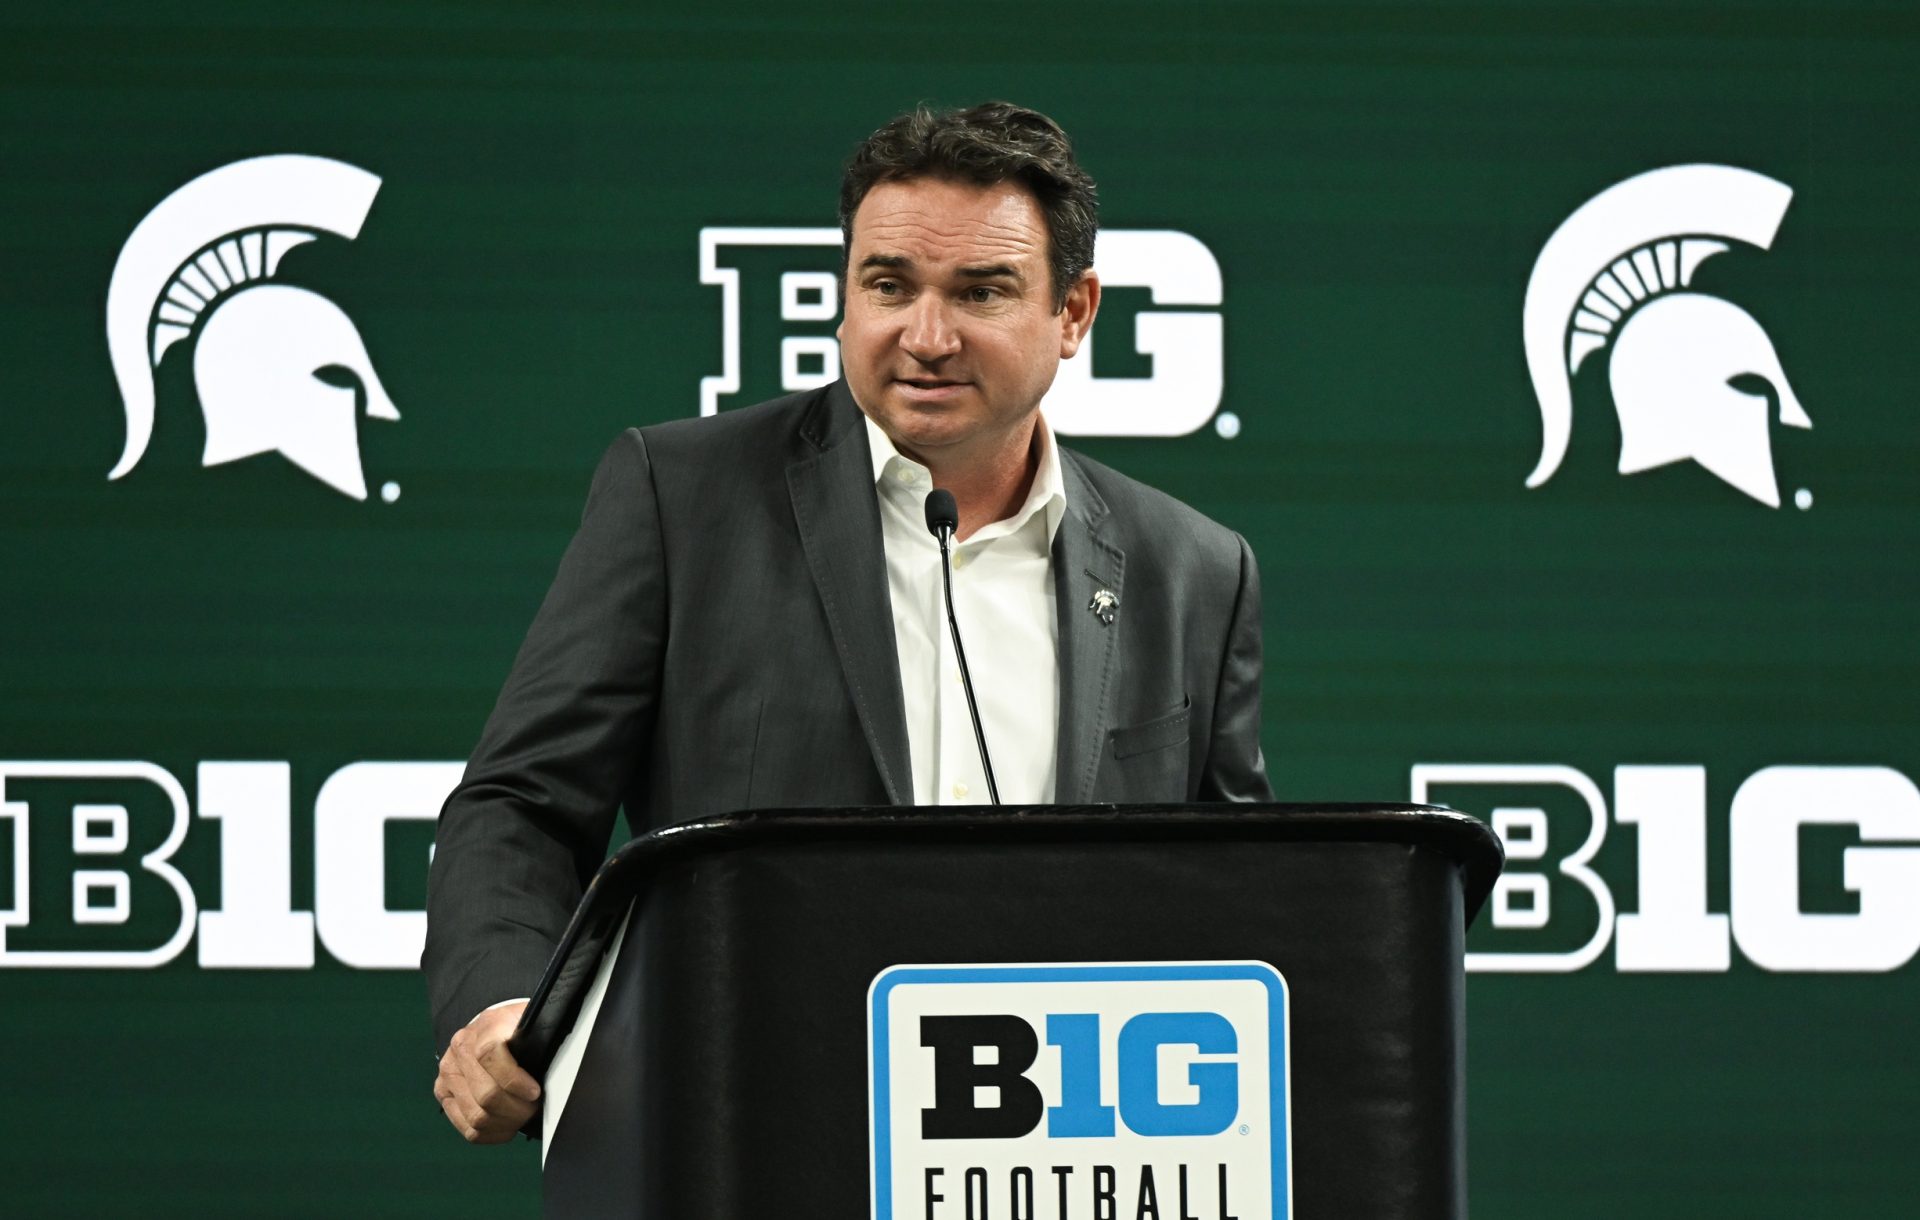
(1467, 843)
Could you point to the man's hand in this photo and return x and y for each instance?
(485, 1094)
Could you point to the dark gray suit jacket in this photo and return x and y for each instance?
(719, 637)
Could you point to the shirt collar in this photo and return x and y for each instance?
(1047, 495)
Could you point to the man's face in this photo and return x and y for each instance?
(950, 336)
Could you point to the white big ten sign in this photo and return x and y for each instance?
(255, 925)
(1673, 930)
(1186, 344)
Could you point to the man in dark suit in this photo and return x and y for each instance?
(749, 615)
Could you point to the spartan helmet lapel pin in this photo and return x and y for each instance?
(1103, 605)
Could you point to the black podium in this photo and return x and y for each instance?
(842, 1013)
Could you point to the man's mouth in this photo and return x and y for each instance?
(930, 389)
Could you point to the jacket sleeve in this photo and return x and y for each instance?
(529, 823)
(1235, 768)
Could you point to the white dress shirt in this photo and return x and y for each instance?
(1003, 595)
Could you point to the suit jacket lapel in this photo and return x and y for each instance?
(1084, 562)
(838, 518)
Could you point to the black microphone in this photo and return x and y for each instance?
(943, 518)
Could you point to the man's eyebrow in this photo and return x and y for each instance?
(994, 271)
(984, 271)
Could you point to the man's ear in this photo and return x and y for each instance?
(1076, 316)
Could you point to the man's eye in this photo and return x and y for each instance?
(980, 294)
(886, 288)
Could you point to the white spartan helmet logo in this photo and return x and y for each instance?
(1618, 270)
(205, 258)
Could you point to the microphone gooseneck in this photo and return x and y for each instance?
(943, 519)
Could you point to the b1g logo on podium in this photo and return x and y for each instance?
(1108, 1091)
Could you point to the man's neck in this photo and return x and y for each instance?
(988, 487)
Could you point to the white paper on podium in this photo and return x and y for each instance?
(566, 1058)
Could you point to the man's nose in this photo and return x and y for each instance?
(929, 336)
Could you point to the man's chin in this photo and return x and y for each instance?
(921, 438)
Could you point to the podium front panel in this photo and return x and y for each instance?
(736, 1024)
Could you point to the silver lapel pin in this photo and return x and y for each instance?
(1104, 603)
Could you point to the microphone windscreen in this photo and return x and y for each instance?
(943, 515)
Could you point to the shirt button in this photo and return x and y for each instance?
(905, 475)
(959, 791)
(960, 560)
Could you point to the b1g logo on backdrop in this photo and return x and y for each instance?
(1080, 1092)
(1691, 374)
(89, 876)
(275, 367)
(780, 304)
(1822, 868)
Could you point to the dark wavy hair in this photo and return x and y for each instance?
(986, 144)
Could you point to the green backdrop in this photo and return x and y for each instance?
(1375, 182)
